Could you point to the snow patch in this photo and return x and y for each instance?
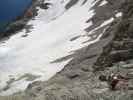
(102, 25)
(48, 41)
(119, 14)
(104, 2)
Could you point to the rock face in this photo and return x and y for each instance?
(113, 53)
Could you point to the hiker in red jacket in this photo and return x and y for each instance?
(115, 81)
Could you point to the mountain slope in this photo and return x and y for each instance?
(47, 41)
(79, 79)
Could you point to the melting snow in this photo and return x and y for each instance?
(106, 22)
(104, 2)
(48, 41)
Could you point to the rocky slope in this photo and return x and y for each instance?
(112, 53)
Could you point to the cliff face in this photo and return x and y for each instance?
(112, 53)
